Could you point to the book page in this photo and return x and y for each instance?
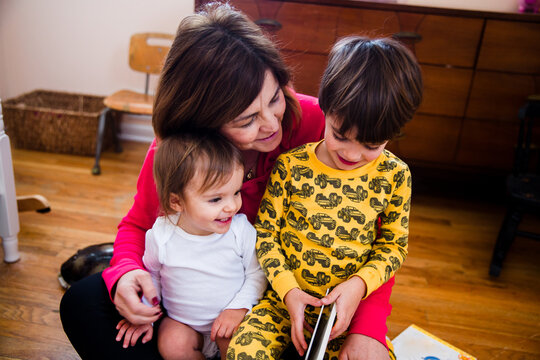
(415, 343)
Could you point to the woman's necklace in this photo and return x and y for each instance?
(249, 174)
(251, 164)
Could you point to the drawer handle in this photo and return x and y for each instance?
(408, 35)
(269, 24)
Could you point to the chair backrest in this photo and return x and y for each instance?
(147, 52)
(527, 157)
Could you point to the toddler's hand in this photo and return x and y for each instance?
(347, 296)
(296, 301)
(131, 333)
(226, 323)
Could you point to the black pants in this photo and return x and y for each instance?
(89, 319)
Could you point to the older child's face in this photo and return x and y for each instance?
(210, 211)
(259, 126)
(345, 152)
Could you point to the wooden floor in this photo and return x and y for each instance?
(443, 286)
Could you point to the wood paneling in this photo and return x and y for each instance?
(307, 70)
(367, 22)
(511, 46)
(426, 137)
(488, 143)
(498, 96)
(445, 90)
(448, 40)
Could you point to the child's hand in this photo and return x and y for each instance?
(296, 301)
(226, 323)
(347, 296)
(131, 333)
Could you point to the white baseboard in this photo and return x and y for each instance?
(133, 129)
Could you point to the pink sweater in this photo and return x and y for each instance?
(370, 317)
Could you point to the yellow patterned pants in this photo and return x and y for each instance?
(266, 332)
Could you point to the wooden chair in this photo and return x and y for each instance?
(147, 52)
(523, 185)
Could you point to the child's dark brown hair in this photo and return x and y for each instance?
(179, 158)
(373, 86)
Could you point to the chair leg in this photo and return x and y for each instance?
(116, 121)
(96, 170)
(504, 240)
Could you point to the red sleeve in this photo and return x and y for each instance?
(130, 240)
(370, 317)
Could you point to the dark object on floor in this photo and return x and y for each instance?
(523, 185)
(85, 262)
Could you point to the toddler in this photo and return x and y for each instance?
(200, 252)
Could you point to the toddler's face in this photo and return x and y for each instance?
(345, 152)
(210, 211)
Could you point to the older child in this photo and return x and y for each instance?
(200, 253)
(325, 201)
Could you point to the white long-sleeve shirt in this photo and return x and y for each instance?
(200, 276)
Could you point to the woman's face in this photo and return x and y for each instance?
(258, 127)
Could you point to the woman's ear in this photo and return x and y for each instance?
(175, 202)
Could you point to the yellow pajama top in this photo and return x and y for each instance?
(317, 226)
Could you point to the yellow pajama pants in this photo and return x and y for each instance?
(266, 332)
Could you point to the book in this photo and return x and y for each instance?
(415, 343)
(321, 334)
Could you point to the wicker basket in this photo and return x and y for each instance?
(55, 122)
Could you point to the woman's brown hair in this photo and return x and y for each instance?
(373, 86)
(179, 158)
(214, 70)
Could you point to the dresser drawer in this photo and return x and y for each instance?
(498, 96)
(306, 69)
(445, 90)
(448, 40)
(429, 138)
(487, 144)
(511, 46)
(371, 23)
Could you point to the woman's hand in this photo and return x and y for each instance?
(347, 296)
(296, 301)
(131, 333)
(226, 323)
(127, 298)
(361, 347)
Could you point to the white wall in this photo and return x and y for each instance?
(78, 46)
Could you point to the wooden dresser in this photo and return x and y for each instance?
(478, 68)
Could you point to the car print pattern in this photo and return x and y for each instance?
(298, 172)
(357, 195)
(345, 235)
(323, 180)
(329, 202)
(261, 337)
(301, 222)
(312, 256)
(350, 212)
(323, 230)
(321, 219)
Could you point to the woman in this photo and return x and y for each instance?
(221, 73)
